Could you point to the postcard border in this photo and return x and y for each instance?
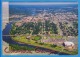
(78, 55)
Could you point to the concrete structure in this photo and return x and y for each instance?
(67, 43)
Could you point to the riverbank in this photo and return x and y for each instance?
(58, 49)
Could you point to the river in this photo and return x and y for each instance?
(10, 41)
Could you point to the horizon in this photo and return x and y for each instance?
(43, 3)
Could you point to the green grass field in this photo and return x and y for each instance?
(34, 42)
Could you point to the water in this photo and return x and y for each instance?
(8, 38)
(29, 9)
(10, 41)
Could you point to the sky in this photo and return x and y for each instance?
(42, 3)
